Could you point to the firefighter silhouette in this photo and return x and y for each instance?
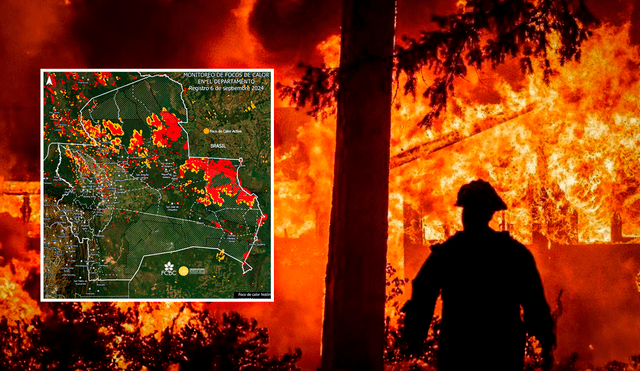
(491, 293)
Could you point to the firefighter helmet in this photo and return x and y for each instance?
(479, 194)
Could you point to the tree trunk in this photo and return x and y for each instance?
(353, 330)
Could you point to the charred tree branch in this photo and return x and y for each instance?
(450, 139)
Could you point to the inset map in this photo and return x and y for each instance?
(157, 185)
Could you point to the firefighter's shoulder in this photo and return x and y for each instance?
(505, 236)
(512, 243)
(436, 247)
(449, 245)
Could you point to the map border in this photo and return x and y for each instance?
(156, 70)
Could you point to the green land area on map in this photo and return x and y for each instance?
(157, 185)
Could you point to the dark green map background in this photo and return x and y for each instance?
(157, 185)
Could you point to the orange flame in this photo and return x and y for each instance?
(15, 303)
(571, 152)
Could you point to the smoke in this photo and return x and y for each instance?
(31, 37)
(13, 238)
(291, 30)
(148, 34)
(92, 34)
(615, 12)
(415, 16)
(634, 33)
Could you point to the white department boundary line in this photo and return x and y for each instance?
(181, 91)
(219, 158)
(184, 104)
(167, 217)
(144, 77)
(68, 144)
(99, 95)
(242, 262)
(171, 252)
